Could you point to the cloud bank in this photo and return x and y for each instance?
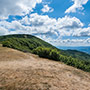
(47, 28)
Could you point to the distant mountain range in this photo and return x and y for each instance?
(85, 49)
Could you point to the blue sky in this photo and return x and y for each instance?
(59, 22)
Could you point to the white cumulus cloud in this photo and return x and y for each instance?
(16, 7)
(78, 4)
(43, 25)
(46, 8)
(70, 42)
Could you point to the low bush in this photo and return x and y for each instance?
(55, 55)
(47, 53)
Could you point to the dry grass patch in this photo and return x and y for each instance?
(11, 54)
(22, 71)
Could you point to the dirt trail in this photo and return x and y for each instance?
(20, 71)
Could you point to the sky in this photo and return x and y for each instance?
(59, 22)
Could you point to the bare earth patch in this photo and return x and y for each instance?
(23, 71)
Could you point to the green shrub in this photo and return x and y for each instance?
(7, 44)
(55, 55)
(47, 53)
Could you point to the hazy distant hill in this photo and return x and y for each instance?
(85, 49)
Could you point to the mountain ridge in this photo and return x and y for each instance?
(36, 42)
(32, 44)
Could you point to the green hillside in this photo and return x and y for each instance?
(29, 43)
(23, 42)
(76, 54)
